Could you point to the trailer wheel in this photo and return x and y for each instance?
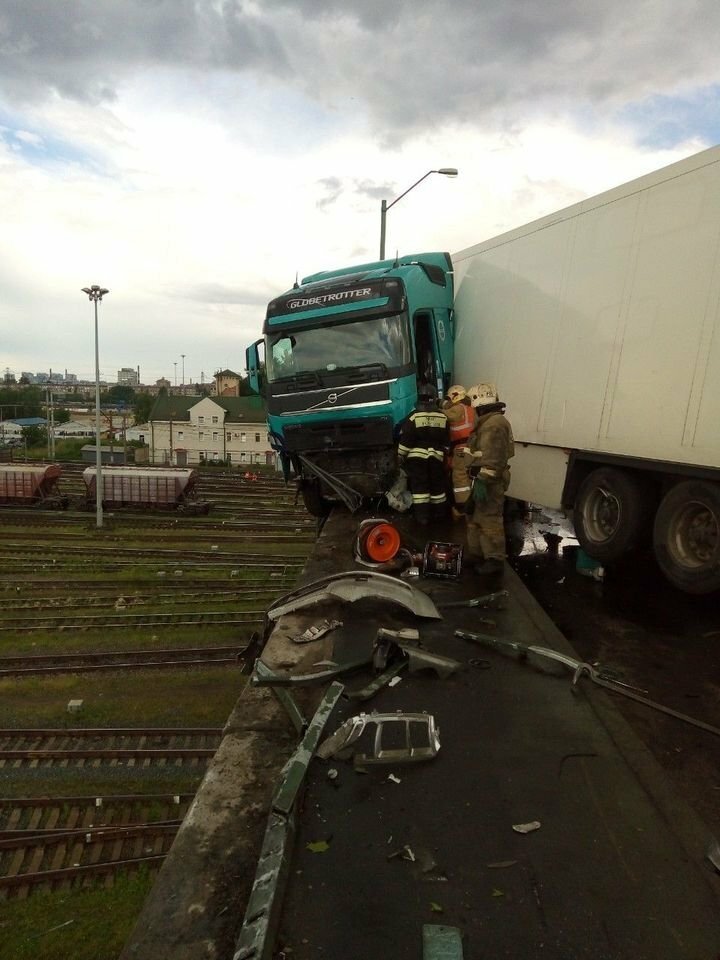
(610, 513)
(686, 536)
(315, 503)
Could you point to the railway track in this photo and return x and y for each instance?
(52, 844)
(257, 519)
(97, 746)
(23, 602)
(114, 586)
(128, 621)
(39, 664)
(68, 551)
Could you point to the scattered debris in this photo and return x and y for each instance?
(263, 675)
(293, 773)
(388, 678)
(496, 599)
(588, 566)
(391, 644)
(479, 663)
(318, 846)
(332, 774)
(59, 926)
(353, 728)
(387, 644)
(391, 776)
(74, 706)
(435, 907)
(541, 656)
(316, 631)
(441, 942)
(405, 853)
(527, 827)
(501, 864)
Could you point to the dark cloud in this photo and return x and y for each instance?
(374, 191)
(332, 187)
(414, 65)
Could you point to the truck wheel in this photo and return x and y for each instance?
(610, 513)
(315, 502)
(686, 537)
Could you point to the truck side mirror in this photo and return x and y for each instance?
(254, 366)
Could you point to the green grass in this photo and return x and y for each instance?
(97, 781)
(196, 697)
(100, 641)
(87, 924)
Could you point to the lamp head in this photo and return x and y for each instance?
(448, 171)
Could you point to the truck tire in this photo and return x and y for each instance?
(686, 536)
(610, 514)
(315, 503)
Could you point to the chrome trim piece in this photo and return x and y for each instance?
(344, 386)
(347, 406)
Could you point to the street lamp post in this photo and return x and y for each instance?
(385, 206)
(96, 293)
(183, 371)
(175, 365)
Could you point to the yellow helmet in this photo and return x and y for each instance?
(456, 393)
(483, 394)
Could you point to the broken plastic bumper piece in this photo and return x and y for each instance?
(352, 585)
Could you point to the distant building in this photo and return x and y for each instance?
(110, 455)
(128, 377)
(11, 429)
(139, 432)
(74, 428)
(227, 384)
(187, 430)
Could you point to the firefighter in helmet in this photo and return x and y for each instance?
(490, 447)
(421, 451)
(461, 423)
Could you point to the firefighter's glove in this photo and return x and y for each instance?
(479, 490)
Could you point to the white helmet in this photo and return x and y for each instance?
(483, 395)
(457, 393)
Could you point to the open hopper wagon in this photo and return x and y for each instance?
(151, 488)
(30, 485)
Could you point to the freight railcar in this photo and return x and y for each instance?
(146, 488)
(31, 485)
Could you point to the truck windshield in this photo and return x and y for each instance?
(381, 341)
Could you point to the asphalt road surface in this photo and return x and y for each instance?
(651, 635)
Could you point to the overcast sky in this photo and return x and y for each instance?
(193, 156)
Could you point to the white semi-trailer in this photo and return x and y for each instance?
(600, 325)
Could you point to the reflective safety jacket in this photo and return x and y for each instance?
(461, 417)
(424, 434)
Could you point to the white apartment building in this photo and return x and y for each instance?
(189, 430)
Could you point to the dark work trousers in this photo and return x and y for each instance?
(426, 479)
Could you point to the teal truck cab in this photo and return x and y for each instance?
(344, 352)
